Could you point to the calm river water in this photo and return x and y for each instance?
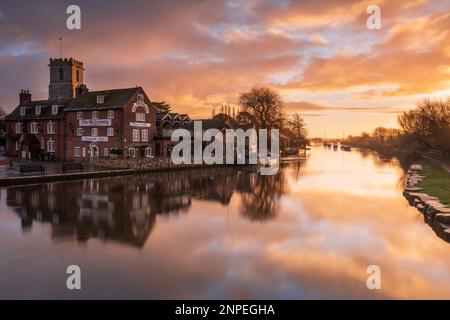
(309, 232)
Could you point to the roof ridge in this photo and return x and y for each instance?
(117, 89)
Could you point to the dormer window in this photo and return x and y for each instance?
(22, 111)
(38, 110)
(140, 98)
(55, 109)
(100, 99)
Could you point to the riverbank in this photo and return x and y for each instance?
(38, 179)
(427, 189)
(436, 182)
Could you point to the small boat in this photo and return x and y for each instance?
(292, 158)
(290, 152)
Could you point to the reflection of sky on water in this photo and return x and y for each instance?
(336, 214)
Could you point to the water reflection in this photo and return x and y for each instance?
(124, 209)
(262, 200)
(308, 232)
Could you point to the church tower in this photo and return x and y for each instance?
(66, 78)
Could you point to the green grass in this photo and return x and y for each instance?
(436, 182)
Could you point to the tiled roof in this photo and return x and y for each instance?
(30, 110)
(116, 98)
(171, 115)
(160, 116)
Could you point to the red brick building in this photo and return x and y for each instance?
(35, 129)
(75, 124)
(102, 123)
(166, 123)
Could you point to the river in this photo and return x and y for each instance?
(309, 232)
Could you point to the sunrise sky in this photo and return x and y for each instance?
(196, 55)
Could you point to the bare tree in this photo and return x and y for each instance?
(428, 125)
(298, 129)
(245, 118)
(162, 107)
(265, 106)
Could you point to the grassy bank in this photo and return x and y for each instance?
(436, 183)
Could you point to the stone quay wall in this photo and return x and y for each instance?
(136, 164)
(436, 214)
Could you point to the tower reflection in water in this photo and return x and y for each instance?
(125, 208)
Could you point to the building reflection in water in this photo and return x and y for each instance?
(125, 208)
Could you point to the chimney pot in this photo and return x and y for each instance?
(24, 96)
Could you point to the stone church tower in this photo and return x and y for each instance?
(66, 79)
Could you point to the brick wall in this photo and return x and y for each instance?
(58, 136)
(73, 140)
(130, 118)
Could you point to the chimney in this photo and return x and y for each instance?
(24, 96)
(80, 90)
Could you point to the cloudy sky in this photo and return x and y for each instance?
(197, 54)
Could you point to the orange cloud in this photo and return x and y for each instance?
(198, 54)
(414, 58)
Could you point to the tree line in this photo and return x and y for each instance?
(422, 129)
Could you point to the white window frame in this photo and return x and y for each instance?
(140, 117)
(22, 111)
(55, 109)
(80, 132)
(51, 145)
(100, 99)
(51, 127)
(18, 127)
(94, 114)
(77, 152)
(136, 134)
(148, 152)
(106, 152)
(144, 135)
(110, 114)
(140, 97)
(34, 127)
(38, 110)
(17, 146)
(110, 132)
(42, 143)
(79, 115)
(94, 132)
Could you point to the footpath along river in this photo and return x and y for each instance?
(310, 231)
